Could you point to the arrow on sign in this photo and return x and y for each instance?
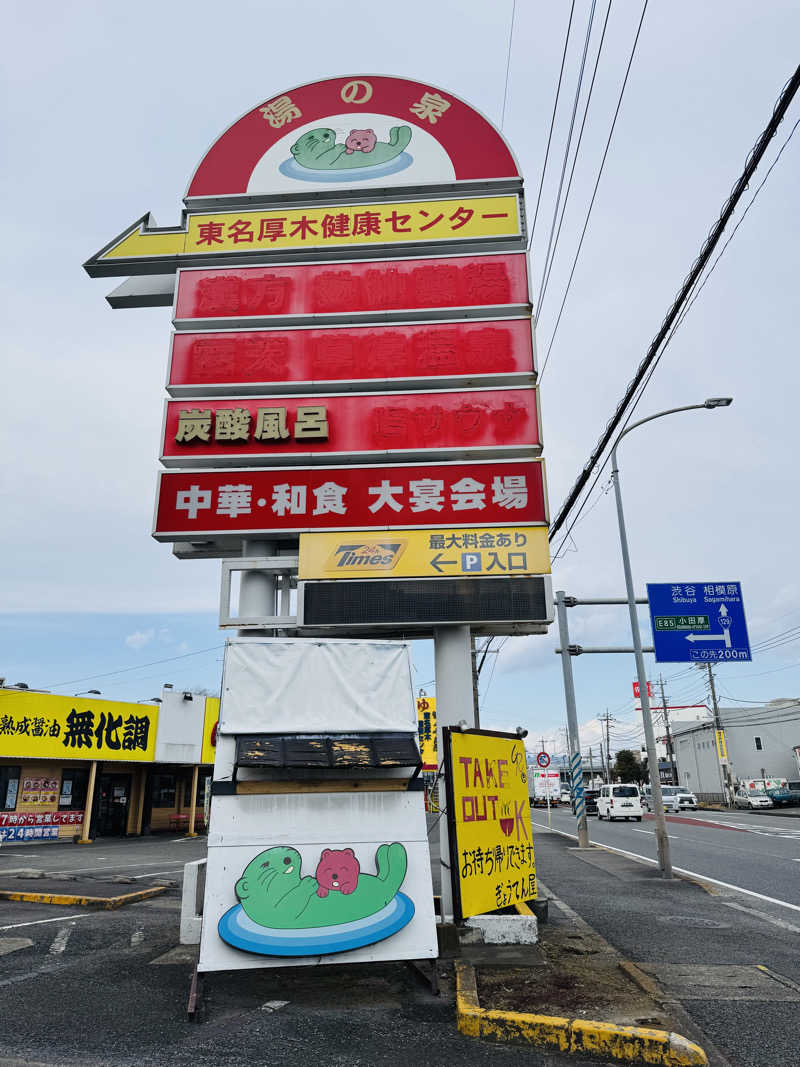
(437, 562)
(725, 636)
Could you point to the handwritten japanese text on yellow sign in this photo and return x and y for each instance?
(492, 855)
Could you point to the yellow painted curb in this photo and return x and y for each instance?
(633, 1044)
(72, 900)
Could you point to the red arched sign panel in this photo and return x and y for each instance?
(353, 132)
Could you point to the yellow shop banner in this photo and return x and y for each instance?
(209, 750)
(45, 726)
(462, 553)
(426, 724)
(354, 225)
(491, 845)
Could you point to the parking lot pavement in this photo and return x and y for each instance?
(99, 987)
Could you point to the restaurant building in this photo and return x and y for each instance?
(73, 768)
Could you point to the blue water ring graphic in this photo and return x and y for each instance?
(291, 169)
(237, 929)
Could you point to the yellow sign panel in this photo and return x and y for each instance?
(426, 724)
(404, 222)
(464, 553)
(722, 748)
(209, 750)
(42, 725)
(491, 845)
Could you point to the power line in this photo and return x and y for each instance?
(546, 279)
(594, 191)
(690, 281)
(508, 61)
(552, 123)
(578, 87)
(138, 667)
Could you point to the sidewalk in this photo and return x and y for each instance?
(728, 967)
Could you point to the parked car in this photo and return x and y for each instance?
(751, 798)
(620, 802)
(590, 796)
(675, 798)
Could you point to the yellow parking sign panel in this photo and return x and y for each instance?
(468, 552)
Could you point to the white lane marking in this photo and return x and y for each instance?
(60, 940)
(110, 867)
(137, 936)
(58, 919)
(680, 870)
(763, 915)
(153, 874)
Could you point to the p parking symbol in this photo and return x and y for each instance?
(471, 561)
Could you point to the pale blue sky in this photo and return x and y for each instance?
(108, 109)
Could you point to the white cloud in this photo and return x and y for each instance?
(139, 638)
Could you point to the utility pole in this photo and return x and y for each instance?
(591, 768)
(603, 765)
(724, 768)
(608, 719)
(475, 673)
(670, 755)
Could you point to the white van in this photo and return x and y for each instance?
(620, 802)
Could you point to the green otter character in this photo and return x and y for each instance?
(273, 894)
(318, 150)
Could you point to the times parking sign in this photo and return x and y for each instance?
(698, 622)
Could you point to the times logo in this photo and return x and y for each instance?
(366, 555)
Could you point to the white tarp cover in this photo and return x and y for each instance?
(305, 685)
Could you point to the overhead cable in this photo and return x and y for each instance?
(594, 191)
(690, 281)
(567, 147)
(552, 123)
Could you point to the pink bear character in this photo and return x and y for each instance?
(360, 141)
(337, 870)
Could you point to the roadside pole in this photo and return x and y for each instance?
(724, 768)
(573, 734)
(452, 652)
(84, 839)
(662, 838)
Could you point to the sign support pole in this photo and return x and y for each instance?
(575, 761)
(452, 649)
(84, 839)
(257, 592)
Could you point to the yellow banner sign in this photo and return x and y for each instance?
(209, 750)
(491, 845)
(722, 748)
(463, 553)
(404, 222)
(41, 725)
(426, 724)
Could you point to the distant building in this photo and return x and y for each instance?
(760, 742)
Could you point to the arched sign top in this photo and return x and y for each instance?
(353, 132)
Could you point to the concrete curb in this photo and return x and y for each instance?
(631, 1044)
(71, 900)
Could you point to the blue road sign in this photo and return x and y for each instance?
(698, 622)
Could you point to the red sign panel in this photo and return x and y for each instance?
(364, 286)
(209, 432)
(41, 818)
(470, 146)
(299, 357)
(193, 504)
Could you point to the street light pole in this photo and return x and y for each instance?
(662, 838)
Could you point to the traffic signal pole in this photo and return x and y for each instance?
(575, 761)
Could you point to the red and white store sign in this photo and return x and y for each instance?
(41, 818)
(194, 504)
(210, 432)
(230, 361)
(363, 286)
(447, 140)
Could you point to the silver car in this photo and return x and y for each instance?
(751, 798)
